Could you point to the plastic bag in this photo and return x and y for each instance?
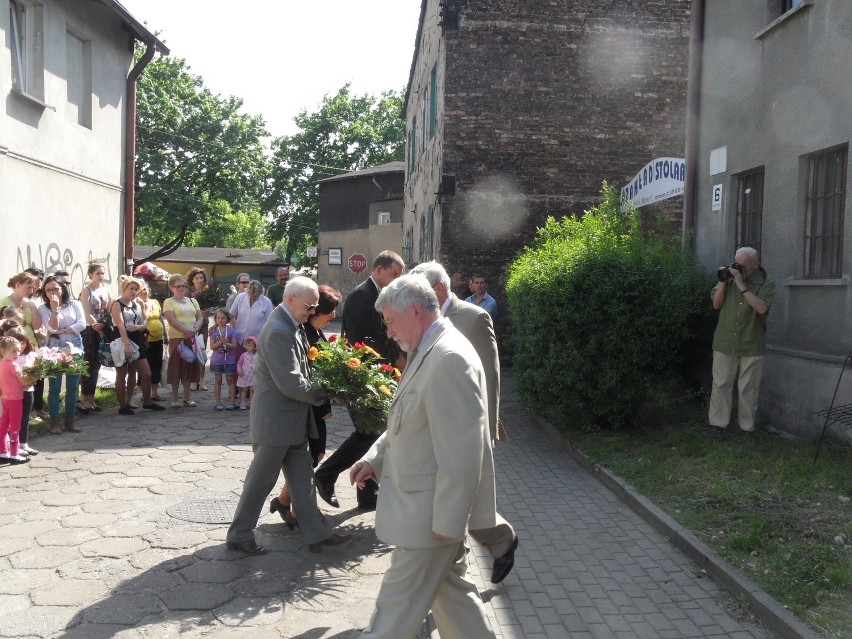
(200, 350)
(186, 352)
(117, 349)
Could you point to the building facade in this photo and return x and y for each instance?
(360, 215)
(772, 158)
(516, 111)
(63, 80)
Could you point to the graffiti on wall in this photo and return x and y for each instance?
(51, 258)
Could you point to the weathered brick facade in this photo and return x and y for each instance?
(538, 102)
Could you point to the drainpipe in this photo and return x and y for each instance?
(130, 155)
(693, 119)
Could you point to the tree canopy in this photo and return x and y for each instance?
(198, 159)
(347, 133)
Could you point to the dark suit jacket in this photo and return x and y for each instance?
(363, 323)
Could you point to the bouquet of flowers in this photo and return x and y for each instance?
(208, 298)
(354, 374)
(48, 361)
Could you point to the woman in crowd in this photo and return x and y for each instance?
(329, 298)
(64, 320)
(196, 282)
(185, 320)
(129, 319)
(249, 313)
(24, 309)
(41, 336)
(96, 299)
(156, 334)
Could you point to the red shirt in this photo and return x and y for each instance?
(9, 383)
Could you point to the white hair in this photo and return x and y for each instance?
(433, 272)
(748, 251)
(300, 285)
(405, 291)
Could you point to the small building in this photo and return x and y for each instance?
(516, 111)
(67, 124)
(222, 265)
(772, 172)
(360, 216)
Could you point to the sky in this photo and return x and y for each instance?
(282, 56)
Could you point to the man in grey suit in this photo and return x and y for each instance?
(437, 478)
(476, 325)
(281, 420)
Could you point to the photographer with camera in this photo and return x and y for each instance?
(742, 297)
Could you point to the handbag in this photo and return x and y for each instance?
(105, 354)
(117, 349)
(186, 352)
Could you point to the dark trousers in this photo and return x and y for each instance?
(38, 395)
(154, 355)
(350, 451)
(91, 344)
(24, 436)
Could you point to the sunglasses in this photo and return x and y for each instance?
(179, 286)
(243, 282)
(311, 307)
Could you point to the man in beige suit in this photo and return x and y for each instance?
(476, 325)
(437, 478)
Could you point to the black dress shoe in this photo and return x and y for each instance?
(248, 547)
(503, 565)
(326, 493)
(275, 506)
(333, 540)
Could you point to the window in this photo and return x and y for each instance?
(824, 205)
(750, 208)
(790, 4)
(78, 79)
(25, 40)
(408, 245)
(412, 147)
(433, 102)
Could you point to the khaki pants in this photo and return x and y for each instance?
(724, 373)
(424, 578)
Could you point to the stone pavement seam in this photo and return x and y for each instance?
(766, 608)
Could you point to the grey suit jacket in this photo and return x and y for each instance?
(476, 325)
(281, 412)
(434, 461)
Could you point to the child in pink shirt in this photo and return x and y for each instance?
(12, 387)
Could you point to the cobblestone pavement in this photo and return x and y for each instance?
(89, 550)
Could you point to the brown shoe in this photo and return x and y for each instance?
(70, 426)
(333, 540)
(55, 427)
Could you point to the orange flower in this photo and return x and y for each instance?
(353, 362)
(313, 351)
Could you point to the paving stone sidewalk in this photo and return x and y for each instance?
(89, 550)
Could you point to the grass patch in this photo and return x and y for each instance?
(758, 500)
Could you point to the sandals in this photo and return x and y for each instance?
(218, 407)
(189, 404)
(175, 404)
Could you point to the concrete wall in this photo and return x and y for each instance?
(61, 182)
(772, 97)
(539, 103)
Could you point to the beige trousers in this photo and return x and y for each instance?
(496, 540)
(422, 578)
(724, 373)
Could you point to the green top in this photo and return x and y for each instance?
(275, 292)
(741, 330)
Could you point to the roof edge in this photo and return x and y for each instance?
(139, 30)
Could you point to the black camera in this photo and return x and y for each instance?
(724, 274)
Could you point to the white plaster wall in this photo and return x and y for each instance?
(61, 183)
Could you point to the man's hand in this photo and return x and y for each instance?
(439, 536)
(359, 473)
(738, 277)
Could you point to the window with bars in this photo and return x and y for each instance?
(749, 220)
(825, 202)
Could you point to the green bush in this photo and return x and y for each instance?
(605, 320)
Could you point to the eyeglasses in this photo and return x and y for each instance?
(52, 289)
(179, 286)
(243, 282)
(310, 307)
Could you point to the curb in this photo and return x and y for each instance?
(770, 612)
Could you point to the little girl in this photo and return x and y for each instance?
(24, 436)
(245, 369)
(223, 341)
(12, 383)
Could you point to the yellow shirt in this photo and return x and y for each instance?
(28, 310)
(156, 331)
(184, 314)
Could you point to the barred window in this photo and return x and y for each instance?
(750, 208)
(824, 206)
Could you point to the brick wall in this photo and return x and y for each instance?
(543, 101)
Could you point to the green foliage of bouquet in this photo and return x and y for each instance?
(48, 361)
(353, 374)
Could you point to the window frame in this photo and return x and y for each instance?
(750, 205)
(26, 35)
(816, 192)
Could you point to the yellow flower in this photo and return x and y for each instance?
(384, 390)
(313, 351)
(353, 362)
(371, 351)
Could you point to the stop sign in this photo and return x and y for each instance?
(357, 263)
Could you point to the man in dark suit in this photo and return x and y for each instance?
(281, 420)
(476, 325)
(363, 323)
